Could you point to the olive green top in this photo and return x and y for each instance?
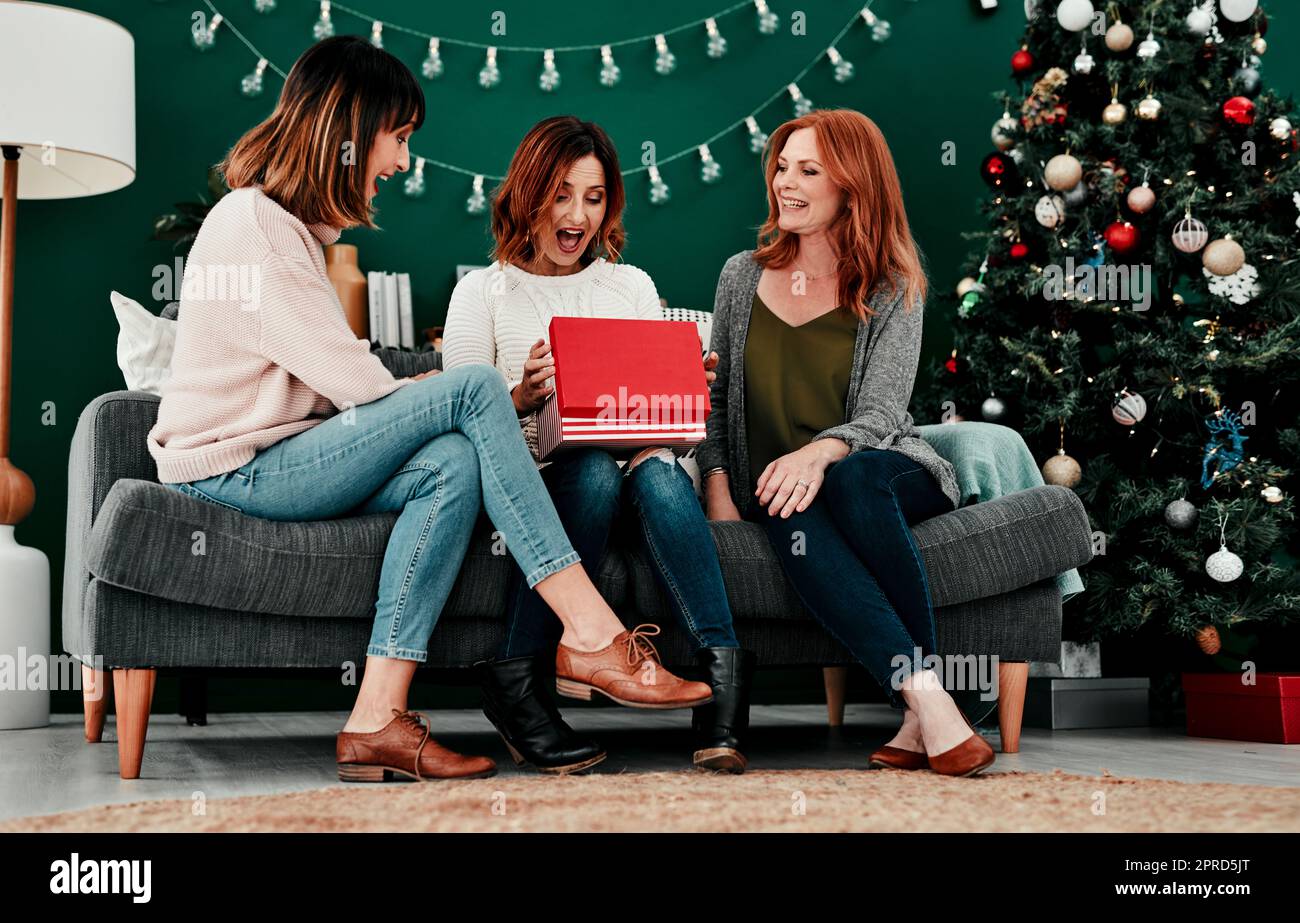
(796, 381)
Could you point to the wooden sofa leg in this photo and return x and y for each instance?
(1012, 679)
(836, 680)
(133, 694)
(94, 701)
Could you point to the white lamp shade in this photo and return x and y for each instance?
(67, 99)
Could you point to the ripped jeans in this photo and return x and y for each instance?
(589, 490)
(437, 450)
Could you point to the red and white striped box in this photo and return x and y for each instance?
(623, 385)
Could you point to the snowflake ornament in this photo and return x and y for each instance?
(1239, 288)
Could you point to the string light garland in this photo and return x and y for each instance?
(609, 75)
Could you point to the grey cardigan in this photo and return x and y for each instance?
(885, 358)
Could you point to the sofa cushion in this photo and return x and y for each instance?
(977, 551)
(144, 539)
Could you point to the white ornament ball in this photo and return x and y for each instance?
(1074, 15)
(1149, 108)
(1181, 514)
(968, 284)
(1272, 494)
(1119, 38)
(1141, 199)
(1190, 235)
(993, 409)
(1050, 211)
(1062, 470)
(1199, 21)
(1063, 172)
(1129, 409)
(1223, 257)
(1280, 128)
(1238, 10)
(1224, 566)
(1084, 64)
(1004, 133)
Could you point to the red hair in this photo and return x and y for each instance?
(871, 237)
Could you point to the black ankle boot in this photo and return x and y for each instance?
(516, 699)
(721, 725)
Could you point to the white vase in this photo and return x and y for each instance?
(24, 633)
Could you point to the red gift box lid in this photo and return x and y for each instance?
(1272, 685)
(617, 369)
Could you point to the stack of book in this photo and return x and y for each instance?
(391, 320)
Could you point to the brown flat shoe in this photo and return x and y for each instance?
(970, 756)
(404, 747)
(628, 671)
(898, 758)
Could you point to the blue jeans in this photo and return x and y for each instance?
(851, 558)
(436, 450)
(589, 490)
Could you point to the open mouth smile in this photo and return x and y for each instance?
(570, 239)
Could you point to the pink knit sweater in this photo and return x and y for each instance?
(263, 350)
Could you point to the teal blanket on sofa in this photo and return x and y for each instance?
(992, 460)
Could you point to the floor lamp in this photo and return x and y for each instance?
(67, 129)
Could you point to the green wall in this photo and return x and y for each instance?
(931, 83)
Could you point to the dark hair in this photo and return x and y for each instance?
(341, 90)
(537, 172)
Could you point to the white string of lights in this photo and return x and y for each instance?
(204, 37)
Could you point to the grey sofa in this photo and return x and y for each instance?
(277, 594)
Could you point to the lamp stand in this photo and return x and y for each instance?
(24, 572)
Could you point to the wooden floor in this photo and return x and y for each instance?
(47, 770)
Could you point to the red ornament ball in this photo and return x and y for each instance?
(951, 365)
(1239, 111)
(1019, 250)
(1022, 62)
(1122, 237)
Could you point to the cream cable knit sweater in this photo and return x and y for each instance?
(497, 313)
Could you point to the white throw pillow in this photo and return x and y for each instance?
(144, 345)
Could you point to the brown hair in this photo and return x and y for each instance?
(342, 91)
(871, 237)
(537, 171)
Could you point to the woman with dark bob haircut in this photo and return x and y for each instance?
(276, 409)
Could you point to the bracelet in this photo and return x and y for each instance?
(712, 471)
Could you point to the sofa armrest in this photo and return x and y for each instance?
(402, 363)
(110, 443)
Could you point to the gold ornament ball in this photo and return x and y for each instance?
(1063, 172)
(1259, 45)
(1272, 494)
(1141, 200)
(1115, 113)
(1119, 38)
(1223, 257)
(965, 285)
(1004, 133)
(1149, 109)
(1062, 470)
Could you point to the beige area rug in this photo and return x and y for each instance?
(768, 801)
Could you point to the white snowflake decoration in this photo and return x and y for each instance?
(1239, 288)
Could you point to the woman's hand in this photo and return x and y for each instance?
(790, 483)
(425, 374)
(710, 363)
(531, 393)
(718, 505)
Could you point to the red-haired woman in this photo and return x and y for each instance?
(558, 224)
(277, 410)
(818, 334)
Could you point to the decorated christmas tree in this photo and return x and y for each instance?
(1134, 307)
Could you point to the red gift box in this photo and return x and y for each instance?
(1220, 705)
(623, 385)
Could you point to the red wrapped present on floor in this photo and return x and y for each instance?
(623, 385)
(1221, 705)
